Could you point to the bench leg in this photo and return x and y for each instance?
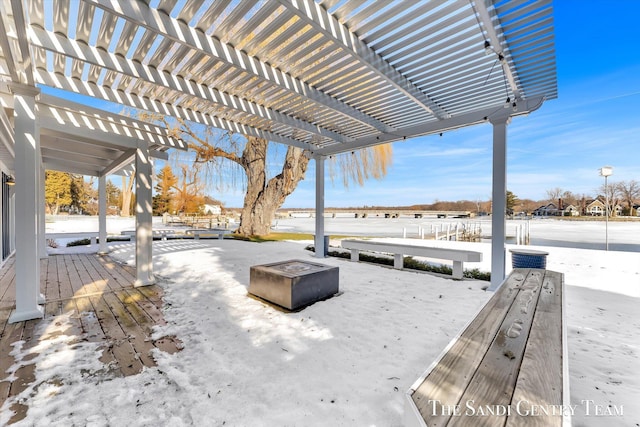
(398, 261)
(220, 236)
(355, 255)
(94, 241)
(196, 236)
(457, 269)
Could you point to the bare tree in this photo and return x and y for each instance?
(224, 151)
(629, 192)
(610, 193)
(554, 194)
(189, 196)
(569, 198)
(127, 195)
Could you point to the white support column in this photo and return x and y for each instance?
(102, 215)
(40, 200)
(27, 165)
(499, 202)
(42, 240)
(144, 231)
(319, 238)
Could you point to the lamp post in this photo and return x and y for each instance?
(606, 171)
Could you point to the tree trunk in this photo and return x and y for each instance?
(263, 198)
(127, 193)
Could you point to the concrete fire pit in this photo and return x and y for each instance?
(294, 283)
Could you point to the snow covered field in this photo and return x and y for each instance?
(346, 361)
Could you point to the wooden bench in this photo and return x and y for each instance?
(458, 256)
(508, 366)
(215, 232)
(162, 234)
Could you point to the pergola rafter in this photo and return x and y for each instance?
(155, 106)
(61, 45)
(317, 75)
(195, 39)
(325, 23)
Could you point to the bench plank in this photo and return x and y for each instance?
(494, 382)
(540, 382)
(511, 352)
(449, 378)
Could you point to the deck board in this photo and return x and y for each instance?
(105, 308)
(7, 291)
(52, 290)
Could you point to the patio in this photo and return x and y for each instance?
(106, 309)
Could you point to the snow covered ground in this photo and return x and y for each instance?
(346, 361)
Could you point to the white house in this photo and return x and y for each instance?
(212, 209)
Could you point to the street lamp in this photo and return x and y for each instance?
(606, 171)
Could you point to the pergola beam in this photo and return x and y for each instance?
(325, 23)
(176, 30)
(132, 100)
(474, 117)
(83, 133)
(108, 134)
(6, 47)
(72, 156)
(24, 69)
(71, 167)
(59, 142)
(126, 158)
(85, 110)
(488, 24)
(60, 44)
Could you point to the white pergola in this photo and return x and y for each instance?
(328, 76)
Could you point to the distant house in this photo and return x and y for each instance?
(594, 208)
(617, 210)
(570, 210)
(547, 210)
(212, 209)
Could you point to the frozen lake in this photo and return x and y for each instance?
(623, 236)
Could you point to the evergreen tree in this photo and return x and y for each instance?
(164, 191)
(113, 196)
(83, 195)
(57, 190)
(512, 202)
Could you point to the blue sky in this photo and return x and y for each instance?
(594, 122)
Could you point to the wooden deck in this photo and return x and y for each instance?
(107, 308)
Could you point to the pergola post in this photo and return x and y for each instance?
(319, 237)
(102, 214)
(144, 231)
(27, 165)
(499, 201)
(42, 240)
